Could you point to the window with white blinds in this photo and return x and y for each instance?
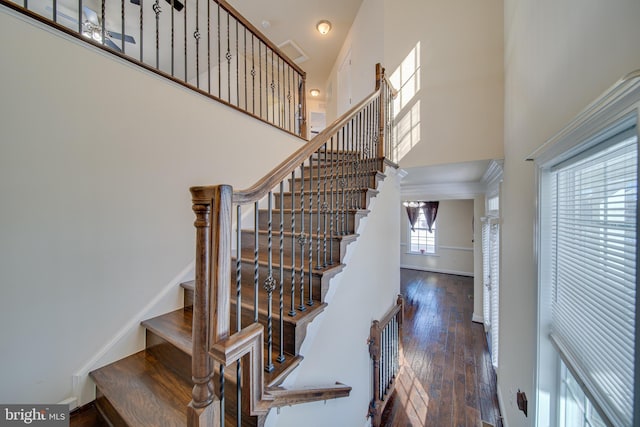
(491, 282)
(593, 205)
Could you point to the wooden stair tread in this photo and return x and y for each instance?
(144, 392)
(175, 327)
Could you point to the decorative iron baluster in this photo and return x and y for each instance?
(26, 6)
(269, 286)
(228, 56)
(255, 262)
(141, 33)
(246, 103)
(238, 268)
(196, 35)
(310, 284)
(273, 93)
(173, 10)
(219, 62)
(239, 307)
(342, 184)
(184, 10)
(319, 210)
(102, 28)
(121, 24)
(332, 204)
(222, 397)
(292, 311)
(157, 9)
(55, 12)
(253, 75)
(280, 357)
(237, 66)
(302, 239)
(325, 207)
(208, 47)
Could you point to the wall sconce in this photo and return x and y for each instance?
(323, 27)
(314, 92)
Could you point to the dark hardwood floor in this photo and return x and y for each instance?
(447, 378)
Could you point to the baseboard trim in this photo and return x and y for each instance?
(437, 270)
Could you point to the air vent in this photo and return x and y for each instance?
(293, 51)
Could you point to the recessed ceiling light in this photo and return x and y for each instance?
(314, 92)
(323, 26)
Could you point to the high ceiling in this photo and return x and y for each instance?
(295, 20)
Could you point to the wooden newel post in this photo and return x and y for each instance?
(212, 207)
(380, 86)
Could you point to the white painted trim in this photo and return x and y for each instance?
(493, 174)
(80, 379)
(455, 248)
(437, 270)
(503, 413)
(477, 318)
(448, 191)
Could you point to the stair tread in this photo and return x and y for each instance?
(175, 327)
(144, 392)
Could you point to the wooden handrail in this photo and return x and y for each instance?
(280, 172)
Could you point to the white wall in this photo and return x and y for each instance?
(96, 159)
(559, 56)
(460, 96)
(336, 345)
(454, 240)
(365, 42)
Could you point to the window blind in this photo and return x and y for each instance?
(495, 290)
(593, 271)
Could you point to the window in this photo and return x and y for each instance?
(491, 282)
(588, 266)
(422, 241)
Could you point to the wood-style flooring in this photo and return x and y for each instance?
(447, 378)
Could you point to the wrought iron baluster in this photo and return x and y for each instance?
(237, 66)
(246, 104)
(173, 10)
(141, 34)
(103, 14)
(238, 267)
(157, 10)
(208, 47)
(302, 239)
(292, 311)
(280, 357)
(310, 281)
(260, 74)
(184, 10)
(325, 206)
(319, 209)
(228, 57)
(343, 188)
(196, 35)
(332, 202)
(269, 286)
(121, 24)
(222, 397)
(273, 92)
(219, 60)
(256, 266)
(253, 75)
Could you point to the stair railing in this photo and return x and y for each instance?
(324, 181)
(385, 343)
(205, 45)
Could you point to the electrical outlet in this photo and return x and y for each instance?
(521, 398)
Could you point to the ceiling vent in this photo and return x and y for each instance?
(293, 51)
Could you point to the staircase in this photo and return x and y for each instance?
(154, 386)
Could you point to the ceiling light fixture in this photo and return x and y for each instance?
(323, 27)
(314, 92)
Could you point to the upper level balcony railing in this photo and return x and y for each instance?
(205, 45)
